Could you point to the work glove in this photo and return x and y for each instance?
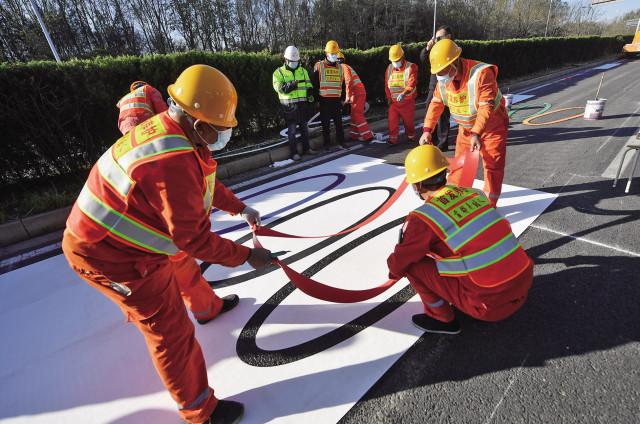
(400, 97)
(259, 257)
(310, 98)
(288, 87)
(251, 215)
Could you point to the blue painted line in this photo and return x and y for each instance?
(339, 179)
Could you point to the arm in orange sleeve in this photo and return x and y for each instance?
(157, 102)
(411, 83)
(346, 71)
(415, 244)
(224, 199)
(487, 91)
(434, 110)
(175, 185)
(386, 84)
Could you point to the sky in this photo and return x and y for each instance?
(609, 11)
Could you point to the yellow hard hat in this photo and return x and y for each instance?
(443, 54)
(332, 47)
(136, 84)
(341, 55)
(396, 53)
(423, 162)
(207, 94)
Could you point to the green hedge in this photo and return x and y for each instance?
(58, 119)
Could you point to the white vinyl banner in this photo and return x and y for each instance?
(67, 355)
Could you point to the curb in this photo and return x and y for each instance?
(47, 222)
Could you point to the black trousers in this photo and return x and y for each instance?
(331, 109)
(295, 116)
(442, 131)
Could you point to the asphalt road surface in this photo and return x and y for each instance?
(571, 355)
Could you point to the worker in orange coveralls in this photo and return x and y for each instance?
(148, 199)
(457, 250)
(356, 96)
(401, 79)
(141, 103)
(470, 90)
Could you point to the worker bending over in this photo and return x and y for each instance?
(147, 201)
(141, 103)
(470, 90)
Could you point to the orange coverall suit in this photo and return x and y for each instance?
(357, 96)
(166, 197)
(138, 106)
(491, 121)
(401, 81)
(493, 296)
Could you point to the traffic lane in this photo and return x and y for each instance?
(569, 159)
(570, 354)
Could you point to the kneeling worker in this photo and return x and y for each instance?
(456, 250)
(148, 201)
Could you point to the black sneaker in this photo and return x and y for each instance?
(227, 412)
(431, 325)
(228, 303)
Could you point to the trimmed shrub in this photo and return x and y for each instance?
(57, 119)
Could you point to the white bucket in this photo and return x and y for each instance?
(508, 100)
(594, 109)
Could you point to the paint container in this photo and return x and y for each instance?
(508, 101)
(594, 109)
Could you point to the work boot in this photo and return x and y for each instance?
(432, 325)
(228, 303)
(227, 412)
(296, 157)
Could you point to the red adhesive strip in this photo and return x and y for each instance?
(268, 232)
(463, 169)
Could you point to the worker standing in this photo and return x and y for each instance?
(457, 250)
(470, 89)
(401, 79)
(149, 198)
(327, 80)
(356, 97)
(444, 125)
(141, 103)
(293, 85)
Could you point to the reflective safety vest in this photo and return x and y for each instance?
(330, 79)
(463, 103)
(284, 74)
(397, 80)
(102, 208)
(485, 249)
(136, 104)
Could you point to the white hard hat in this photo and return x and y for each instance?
(292, 53)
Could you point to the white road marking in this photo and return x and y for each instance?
(513, 380)
(596, 243)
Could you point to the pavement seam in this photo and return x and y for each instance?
(596, 243)
(504, 394)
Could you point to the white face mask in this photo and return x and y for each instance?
(332, 57)
(446, 78)
(221, 142)
(292, 65)
(397, 65)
